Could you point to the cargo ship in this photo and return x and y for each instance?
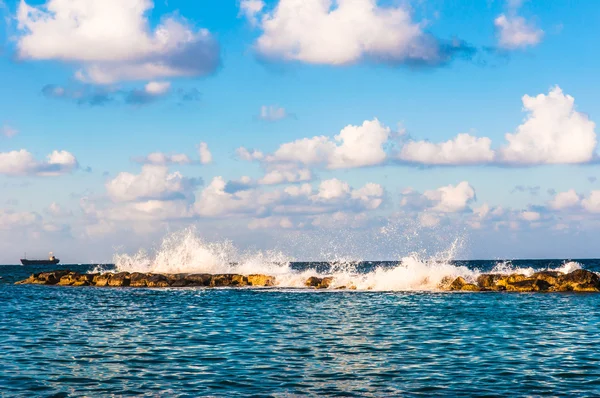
(50, 261)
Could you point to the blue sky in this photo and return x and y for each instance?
(259, 80)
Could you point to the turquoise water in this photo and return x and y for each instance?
(282, 342)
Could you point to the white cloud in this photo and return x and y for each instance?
(565, 200)
(355, 146)
(462, 150)
(332, 195)
(333, 189)
(271, 222)
(204, 153)
(162, 159)
(250, 9)
(8, 131)
(152, 91)
(22, 162)
(530, 215)
(272, 113)
(514, 31)
(112, 40)
(12, 219)
(553, 133)
(157, 88)
(280, 176)
(153, 183)
(592, 202)
(249, 155)
(342, 32)
(451, 199)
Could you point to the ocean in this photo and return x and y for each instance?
(389, 338)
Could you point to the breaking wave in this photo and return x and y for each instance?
(187, 252)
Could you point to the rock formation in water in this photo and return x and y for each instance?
(542, 281)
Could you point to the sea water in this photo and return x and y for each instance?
(395, 335)
(286, 341)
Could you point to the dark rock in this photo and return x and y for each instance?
(69, 279)
(313, 281)
(458, 283)
(138, 279)
(261, 280)
(470, 287)
(122, 279)
(198, 279)
(579, 281)
(550, 277)
(325, 283)
(529, 285)
(177, 280)
(239, 280)
(102, 279)
(157, 280)
(220, 280)
(489, 281)
(319, 283)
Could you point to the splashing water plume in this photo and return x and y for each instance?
(187, 252)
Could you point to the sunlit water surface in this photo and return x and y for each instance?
(281, 342)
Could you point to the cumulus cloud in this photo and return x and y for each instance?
(514, 31)
(462, 150)
(153, 183)
(553, 133)
(204, 153)
(250, 9)
(355, 146)
(164, 159)
(332, 195)
(112, 40)
(451, 199)
(340, 32)
(272, 113)
(23, 163)
(592, 202)
(530, 215)
(160, 158)
(565, 200)
(282, 176)
(447, 199)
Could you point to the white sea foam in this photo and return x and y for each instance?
(187, 252)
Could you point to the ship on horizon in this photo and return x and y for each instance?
(50, 261)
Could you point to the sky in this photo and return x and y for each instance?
(324, 129)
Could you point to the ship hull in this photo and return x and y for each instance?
(39, 262)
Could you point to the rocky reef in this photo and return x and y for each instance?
(543, 281)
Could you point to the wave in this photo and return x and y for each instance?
(187, 252)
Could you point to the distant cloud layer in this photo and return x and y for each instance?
(111, 40)
(343, 32)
